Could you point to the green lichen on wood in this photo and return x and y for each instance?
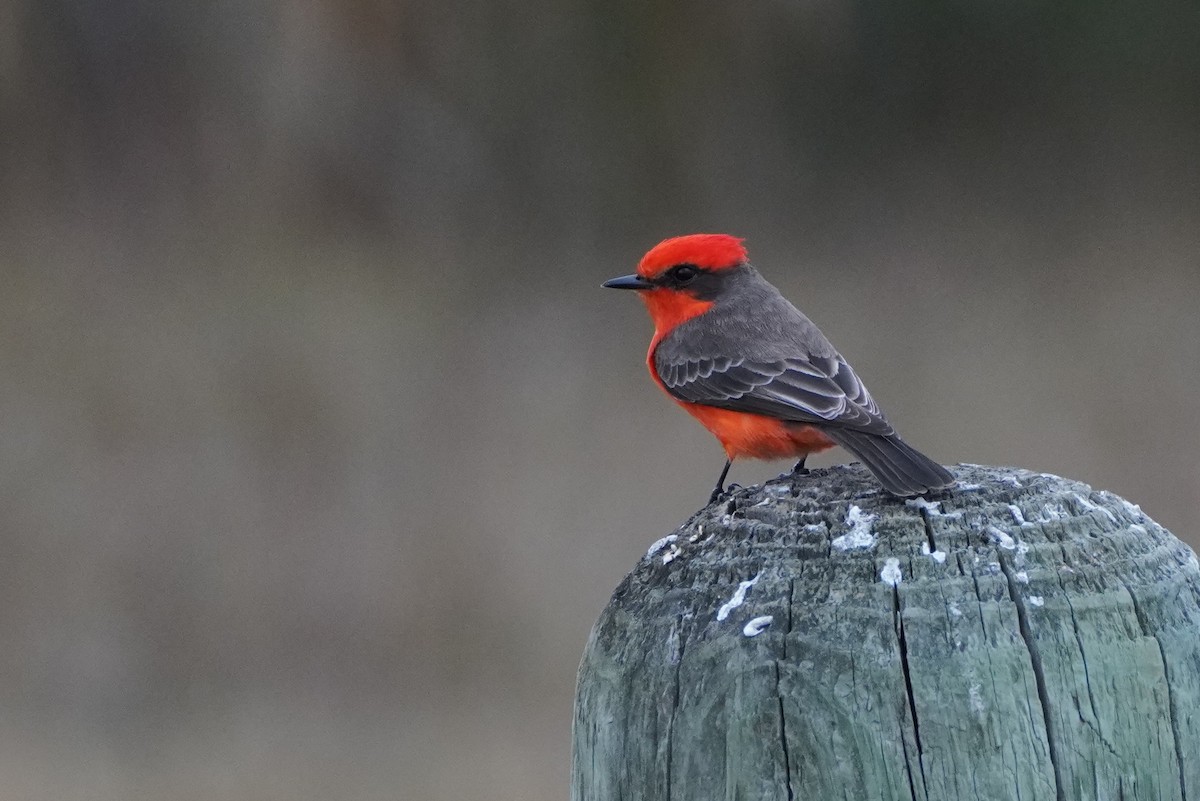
(1042, 643)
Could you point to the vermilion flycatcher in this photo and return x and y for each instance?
(757, 373)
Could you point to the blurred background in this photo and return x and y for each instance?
(321, 446)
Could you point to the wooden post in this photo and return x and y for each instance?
(1022, 637)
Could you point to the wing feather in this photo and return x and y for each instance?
(822, 390)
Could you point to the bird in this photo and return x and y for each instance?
(756, 372)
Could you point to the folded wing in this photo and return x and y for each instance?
(821, 390)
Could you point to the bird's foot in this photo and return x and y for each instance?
(719, 490)
(800, 469)
(724, 492)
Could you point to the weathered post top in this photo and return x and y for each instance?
(1020, 637)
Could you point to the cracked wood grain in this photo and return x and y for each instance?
(1053, 654)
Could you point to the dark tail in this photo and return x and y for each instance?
(900, 468)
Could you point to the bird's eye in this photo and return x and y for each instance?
(683, 273)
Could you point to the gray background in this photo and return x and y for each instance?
(322, 447)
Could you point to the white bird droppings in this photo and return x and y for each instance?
(1001, 538)
(977, 705)
(933, 507)
(1022, 577)
(739, 597)
(937, 556)
(1037, 600)
(1017, 514)
(891, 574)
(755, 627)
(660, 544)
(954, 610)
(859, 535)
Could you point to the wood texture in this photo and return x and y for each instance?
(1041, 642)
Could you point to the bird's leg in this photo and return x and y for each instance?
(800, 469)
(720, 488)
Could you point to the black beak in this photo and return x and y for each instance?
(628, 282)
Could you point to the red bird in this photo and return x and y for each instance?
(757, 373)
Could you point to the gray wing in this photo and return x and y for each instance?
(816, 389)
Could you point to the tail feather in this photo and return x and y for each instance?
(890, 467)
(900, 468)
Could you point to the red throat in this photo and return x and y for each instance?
(668, 309)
